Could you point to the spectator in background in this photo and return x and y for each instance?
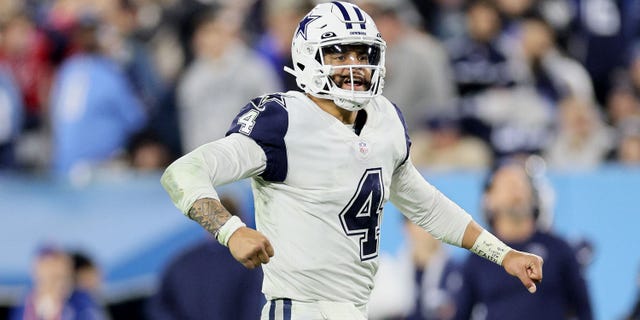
(25, 50)
(511, 14)
(419, 283)
(521, 119)
(478, 63)
(281, 20)
(440, 145)
(129, 50)
(94, 108)
(622, 104)
(123, 47)
(225, 71)
(87, 275)
(599, 40)
(11, 118)
(418, 74)
(146, 152)
(479, 66)
(511, 206)
(628, 145)
(554, 74)
(582, 139)
(53, 296)
(229, 292)
(442, 18)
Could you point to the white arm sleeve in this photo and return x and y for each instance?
(195, 174)
(426, 206)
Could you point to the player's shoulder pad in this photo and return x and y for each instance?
(265, 120)
(263, 115)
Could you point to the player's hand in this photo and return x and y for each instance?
(525, 266)
(250, 247)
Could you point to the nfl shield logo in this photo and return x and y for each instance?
(363, 148)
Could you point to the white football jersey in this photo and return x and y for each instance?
(319, 188)
(319, 200)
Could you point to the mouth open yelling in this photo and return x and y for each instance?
(355, 83)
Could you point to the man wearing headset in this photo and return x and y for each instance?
(511, 205)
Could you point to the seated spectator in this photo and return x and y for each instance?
(511, 206)
(206, 282)
(482, 72)
(147, 152)
(224, 74)
(25, 50)
(441, 146)
(478, 62)
(418, 76)
(87, 275)
(621, 104)
(628, 146)
(582, 140)
(53, 296)
(94, 109)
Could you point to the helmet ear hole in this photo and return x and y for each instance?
(300, 65)
(308, 50)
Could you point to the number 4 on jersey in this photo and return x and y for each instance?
(361, 217)
(247, 121)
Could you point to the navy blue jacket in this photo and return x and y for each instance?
(206, 282)
(562, 293)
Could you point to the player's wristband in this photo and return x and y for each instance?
(227, 229)
(490, 247)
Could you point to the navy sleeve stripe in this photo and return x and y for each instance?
(265, 120)
(406, 133)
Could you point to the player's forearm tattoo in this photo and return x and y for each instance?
(210, 214)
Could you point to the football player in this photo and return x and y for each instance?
(322, 163)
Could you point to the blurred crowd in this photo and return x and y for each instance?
(93, 84)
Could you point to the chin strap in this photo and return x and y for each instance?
(343, 103)
(290, 71)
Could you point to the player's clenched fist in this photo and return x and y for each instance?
(525, 266)
(250, 247)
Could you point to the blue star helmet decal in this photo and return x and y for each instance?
(302, 27)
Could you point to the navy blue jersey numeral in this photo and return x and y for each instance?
(361, 217)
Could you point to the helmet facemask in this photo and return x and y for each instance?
(351, 86)
(330, 28)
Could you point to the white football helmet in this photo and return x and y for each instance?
(330, 26)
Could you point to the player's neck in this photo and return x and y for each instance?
(344, 116)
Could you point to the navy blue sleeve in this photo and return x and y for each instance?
(406, 133)
(266, 120)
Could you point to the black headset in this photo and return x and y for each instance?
(488, 182)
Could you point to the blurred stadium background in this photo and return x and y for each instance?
(83, 142)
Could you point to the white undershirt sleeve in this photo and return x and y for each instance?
(195, 175)
(426, 206)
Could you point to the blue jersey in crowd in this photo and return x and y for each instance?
(94, 111)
